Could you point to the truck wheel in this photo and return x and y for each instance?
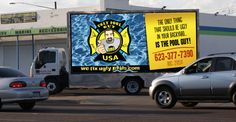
(27, 105)
(165, 98)
(53, 86)
(132, 87)
(189, 104)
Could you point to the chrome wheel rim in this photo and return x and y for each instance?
(164, 98)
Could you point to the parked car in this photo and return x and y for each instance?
(15, 87)
(209, 79)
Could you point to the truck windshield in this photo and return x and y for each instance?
(45, 57)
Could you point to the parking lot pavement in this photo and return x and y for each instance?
(113, 105)
(75, 97)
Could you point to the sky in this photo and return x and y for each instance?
(227, 7)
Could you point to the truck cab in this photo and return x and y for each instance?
(50, 64)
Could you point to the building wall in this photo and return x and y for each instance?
(217, 34)
(217, 21)
(9, 57)
(210, 44)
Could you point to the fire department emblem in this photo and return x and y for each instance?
(109, 40)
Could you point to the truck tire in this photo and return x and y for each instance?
(132, 86)
(165, 98)
(53, 85)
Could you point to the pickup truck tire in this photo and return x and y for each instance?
(189, 104)
(27, 105)
(165, 97)
(132, 86)
(53, 85)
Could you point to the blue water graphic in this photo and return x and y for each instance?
(80, 31)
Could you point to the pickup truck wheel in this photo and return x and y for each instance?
(189, 104)
(27, 105)
(53, 86)
(165, 98)
(132, 87)
(234, 98)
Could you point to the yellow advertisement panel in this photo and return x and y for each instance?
(171, 39)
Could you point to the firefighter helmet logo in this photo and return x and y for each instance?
(108, 40)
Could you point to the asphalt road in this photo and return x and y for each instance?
(103, 105)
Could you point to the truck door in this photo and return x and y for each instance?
(46, 63)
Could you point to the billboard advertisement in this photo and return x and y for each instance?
(129, 42)
(172, 39)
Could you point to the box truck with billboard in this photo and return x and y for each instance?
(119, 49)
